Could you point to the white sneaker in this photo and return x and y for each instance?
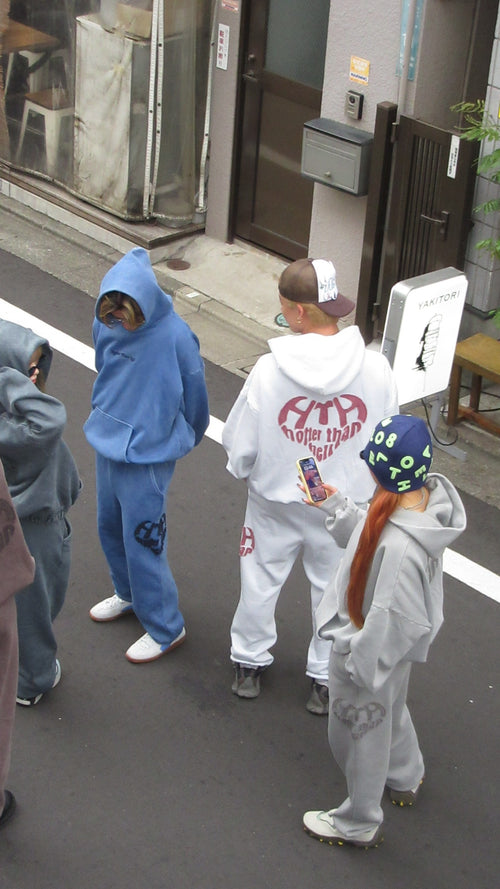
(146, 649)
(110, 609)
(320, 825)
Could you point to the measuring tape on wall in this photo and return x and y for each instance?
(154, 107)
(159, 98)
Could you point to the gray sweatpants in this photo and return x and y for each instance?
(373, 741)
(40, 603)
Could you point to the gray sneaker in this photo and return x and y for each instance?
(9, 808)
(320, 825)
(405, 797)
(30, 702)
(318, 699)
(246, 681)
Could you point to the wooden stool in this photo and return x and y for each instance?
(481, 355)
(52, 105)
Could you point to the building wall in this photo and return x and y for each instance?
(222, 127)
(452, 61)
(481, 269)
(338, 218)
(452, 64)
(447, 59)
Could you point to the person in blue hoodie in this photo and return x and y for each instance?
(149, 408)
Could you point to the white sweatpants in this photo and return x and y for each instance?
(273, 536)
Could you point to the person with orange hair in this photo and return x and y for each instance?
(382, 611)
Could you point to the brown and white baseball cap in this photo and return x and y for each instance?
(314, 281)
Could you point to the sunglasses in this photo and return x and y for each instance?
(32, 369)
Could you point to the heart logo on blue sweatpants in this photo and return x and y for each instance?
(152, 535)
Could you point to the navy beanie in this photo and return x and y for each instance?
(399, 453)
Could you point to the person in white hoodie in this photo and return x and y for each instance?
(382, 611)
(317, 394)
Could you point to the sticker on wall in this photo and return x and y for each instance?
(453, 157)
(360, 70)
(222, 46)
(233, 5)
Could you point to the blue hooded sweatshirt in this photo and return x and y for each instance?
(149, 401)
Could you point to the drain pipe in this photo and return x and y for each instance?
(403, 80)
(201, 208)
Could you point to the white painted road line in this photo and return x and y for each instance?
(214, 430)
(74, 349)
(457, 566)
(472, 574)
(57, 339)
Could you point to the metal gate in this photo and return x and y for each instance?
(428, 212)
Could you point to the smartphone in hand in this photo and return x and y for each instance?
(311, 479)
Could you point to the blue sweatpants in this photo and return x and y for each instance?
(132, 525)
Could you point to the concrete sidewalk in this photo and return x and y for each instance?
(228, 293)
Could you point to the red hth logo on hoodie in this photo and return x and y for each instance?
(322, 425)
(247, 541)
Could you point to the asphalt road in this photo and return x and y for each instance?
(154, 776)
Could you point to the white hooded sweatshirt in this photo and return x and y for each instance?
(313, 394)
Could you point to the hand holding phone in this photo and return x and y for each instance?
(311, 479)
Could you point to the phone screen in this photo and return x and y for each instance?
(312, 479)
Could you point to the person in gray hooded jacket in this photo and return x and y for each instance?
(43, 482)
(382, 611)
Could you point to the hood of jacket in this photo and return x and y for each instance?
(149, 401)
(39, 468)
(133, 275)
(442, 522)
(17, 345)
(322, 364)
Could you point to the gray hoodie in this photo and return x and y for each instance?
(40, 471)
(403, 603)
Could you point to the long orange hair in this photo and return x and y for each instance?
(382, 506)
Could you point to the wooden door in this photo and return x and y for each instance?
(282, 77)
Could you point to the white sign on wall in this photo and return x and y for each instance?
(421, 330)
(453, 157)
(222, 46)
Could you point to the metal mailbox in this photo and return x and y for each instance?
(336, 155)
